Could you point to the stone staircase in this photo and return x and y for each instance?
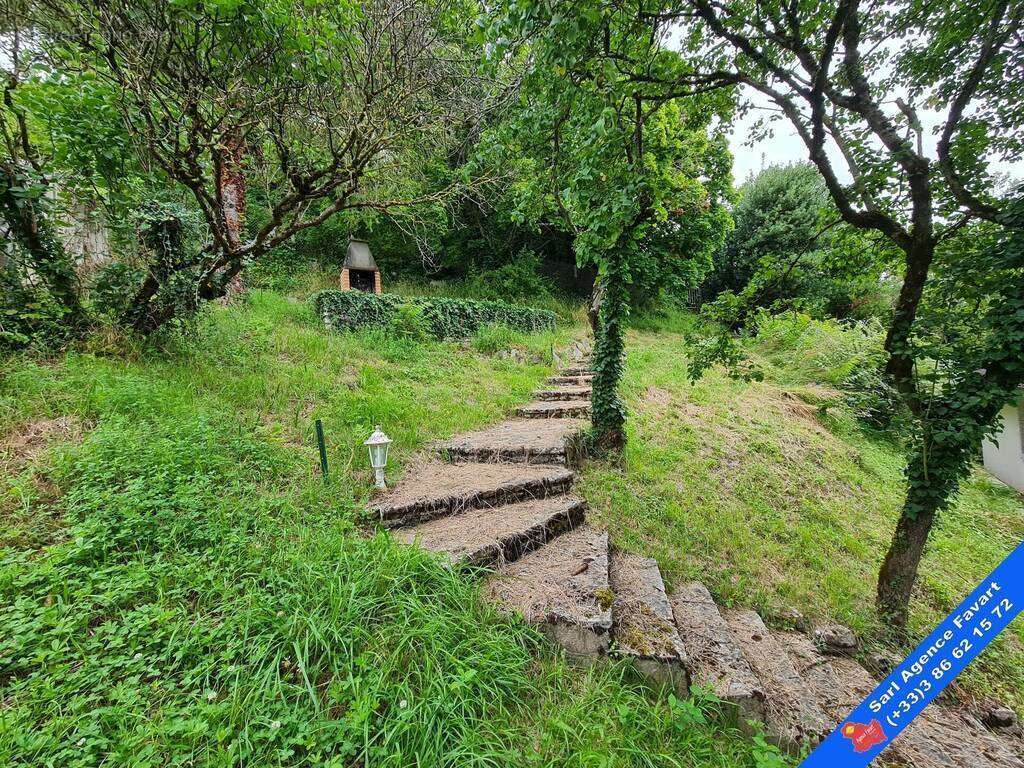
(497, 497)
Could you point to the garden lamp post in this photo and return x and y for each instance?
(378, 444)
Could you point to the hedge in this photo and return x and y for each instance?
(445, 318)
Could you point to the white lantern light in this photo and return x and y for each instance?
(378, 444)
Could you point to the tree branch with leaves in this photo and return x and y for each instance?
(323, 109)
(852, 80)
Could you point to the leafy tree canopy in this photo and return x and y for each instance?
(790, 249)
(633, 172)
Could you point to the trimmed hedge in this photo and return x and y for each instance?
(445, 318)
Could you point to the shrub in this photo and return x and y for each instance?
(517, 280)
(409, 323)
(28, 315)
(113, 288)
(445, 318)
(821, 351)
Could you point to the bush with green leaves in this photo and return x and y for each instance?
(789, 249)
(518, 279)
(444, 317)
(409, 323)
(28, 315)
(113, 288)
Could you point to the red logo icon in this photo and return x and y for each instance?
(864, 737)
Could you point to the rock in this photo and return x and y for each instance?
(793, 718)
(564, 393)
(835, 639)
(515, 355)
(840, 684)
(792, 618)
(713, 658)
(436, 490)
(572, 381)
(563, 589)
(496, 535)
(555, 409)
(642, 621)
(534, 441)
(999, 717)
(881, 663)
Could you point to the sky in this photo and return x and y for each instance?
(783, 148)
(786, 147)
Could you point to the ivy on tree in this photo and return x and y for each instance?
(853, 81)
(639, 177)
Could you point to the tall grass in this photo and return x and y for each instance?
(775, 503)
(800, 349)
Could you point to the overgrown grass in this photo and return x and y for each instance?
(751, 489)
(568, 311)
(494, 339)
(178, 586)
(306, 280)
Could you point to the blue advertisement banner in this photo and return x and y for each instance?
(933, 665)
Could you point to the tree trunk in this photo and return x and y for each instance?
(899, 569)
(900, 365)
(231, 189)
(594, 310)
(30, 227)
(608, 414)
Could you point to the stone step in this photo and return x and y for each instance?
(713, 658)
(965, 740)
(555, 409)
(576, 371)
(563, 589)
(497, 535)
(533, 441)
(572, 381)
(563, 393)
(437, 489)
(793, 719)
(938, 738)
(642, 623)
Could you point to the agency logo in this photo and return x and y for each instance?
(864, 737)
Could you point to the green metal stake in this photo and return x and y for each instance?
(323, 448)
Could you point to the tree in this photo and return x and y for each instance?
(321, 108)
(857, 83)
(25, 208)
(627, 168)
(790, 248)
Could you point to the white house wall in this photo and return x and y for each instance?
(1004, 457)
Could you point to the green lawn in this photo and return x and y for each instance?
(178, 586)
(748, 488)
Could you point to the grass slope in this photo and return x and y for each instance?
(745, 486)
(179, 587)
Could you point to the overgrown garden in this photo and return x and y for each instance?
(178, 182)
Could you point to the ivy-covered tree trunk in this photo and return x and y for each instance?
(594, 308)
(955, 422)
(926, 495)
(609, 415)
(32, 231)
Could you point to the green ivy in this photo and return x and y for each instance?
(966, 410)
(444, 318)
(609, 414)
